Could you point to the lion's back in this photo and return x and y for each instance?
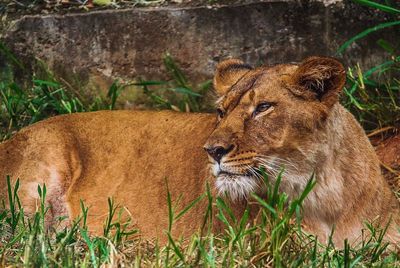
(127, 155)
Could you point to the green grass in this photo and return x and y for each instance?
(45, 96)
(21, 107)
(274, 239)
(374, 101)
(185, 96)
(373, 95)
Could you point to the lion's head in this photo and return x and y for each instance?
(267, 117)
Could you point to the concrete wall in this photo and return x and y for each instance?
(128, 43)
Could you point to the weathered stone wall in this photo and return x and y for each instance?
(128, 43)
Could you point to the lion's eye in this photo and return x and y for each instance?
(262, 107)
(220, 113)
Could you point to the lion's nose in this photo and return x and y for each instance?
(217, 152)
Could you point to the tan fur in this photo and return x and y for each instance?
(128, 155)
(307, 131)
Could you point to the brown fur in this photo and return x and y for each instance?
(122, 154)
(307, 131)
(127, 155)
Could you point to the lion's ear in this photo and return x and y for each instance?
(228, 72)
(320, 78)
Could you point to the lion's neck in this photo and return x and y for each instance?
(343, 161)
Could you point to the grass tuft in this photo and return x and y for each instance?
(273, 239)
(373, 95)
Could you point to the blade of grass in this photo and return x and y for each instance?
(379, 6)
(365, 33)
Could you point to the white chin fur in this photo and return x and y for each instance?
(235, 187)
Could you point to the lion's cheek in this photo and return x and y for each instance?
(270, 137)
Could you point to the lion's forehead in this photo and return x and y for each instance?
(259, 78)
(233, 97)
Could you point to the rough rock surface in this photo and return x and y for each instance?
(102, 45)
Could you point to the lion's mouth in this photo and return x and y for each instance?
(236, 186)
(227, 173)
(218, 171)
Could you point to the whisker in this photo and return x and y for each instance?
(269, 164)
(276, 161)
(275, 164)
(257, 175)
(253, 172)
(271, 171)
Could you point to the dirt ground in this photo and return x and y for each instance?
(388, 151)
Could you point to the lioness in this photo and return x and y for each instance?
(285, 115)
